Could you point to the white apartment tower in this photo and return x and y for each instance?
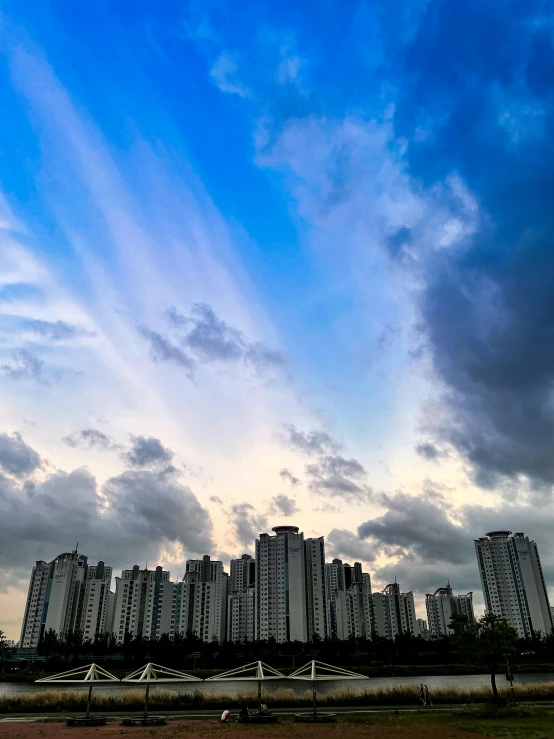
(241, 607)
(61, 598)
(442, 605)
(98, 601)
(210, 600)
(33, 619)
(281, 585)
(142, 603)
(394, 613)
(316, 601)
(513, 581)
(200, 600)
(348, 599)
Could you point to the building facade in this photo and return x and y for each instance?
(442, 605)
(139, 603)
(316, 599)
(394, 613)
(513, 581)
(56, 598)
(241, 601)
(281, 610)
(98, 601)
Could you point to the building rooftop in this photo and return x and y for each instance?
(285, 529)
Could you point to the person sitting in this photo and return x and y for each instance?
(226, 717)
(264, 710)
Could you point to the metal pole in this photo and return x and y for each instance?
(146, 700)
(88, 699)
(315, 698)
(259, 697)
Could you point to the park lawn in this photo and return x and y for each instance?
(533, 727)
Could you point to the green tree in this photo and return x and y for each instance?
(5, 649)
(49, 643)
(488, 641)
(495, 639)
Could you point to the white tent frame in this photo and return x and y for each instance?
(152, 673)
(309, 671)
(93, 673)
(261, 671)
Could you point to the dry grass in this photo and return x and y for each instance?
(131, 700)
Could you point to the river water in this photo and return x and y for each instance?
(463, 682)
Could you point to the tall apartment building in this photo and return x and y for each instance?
(66, 595)
(442, 605)
(243, 573)
(394, 613)
(199, 602)
(98, 601)
(241, 607)
(349, 600)
(143, 603)
(316, 600)
(210, 601)
(33, 618)
(281, 585)
(513, 581)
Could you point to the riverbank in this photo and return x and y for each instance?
(58, 701)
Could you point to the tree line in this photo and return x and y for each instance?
(189, 650)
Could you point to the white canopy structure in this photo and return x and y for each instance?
(257, 671)
(152, 673)
(315, 671)
(89, 674)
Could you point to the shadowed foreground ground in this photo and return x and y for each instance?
(388, 727)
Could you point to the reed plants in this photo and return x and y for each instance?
(53, 701)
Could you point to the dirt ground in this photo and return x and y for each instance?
(393, 728)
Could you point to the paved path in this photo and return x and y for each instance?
(215, 713)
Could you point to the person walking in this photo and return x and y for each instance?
(428, 701)
(422, 694)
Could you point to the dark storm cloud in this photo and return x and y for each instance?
(128, 520)
(16, 457)
(247, 523)
(289, 477)
(344, 544)
(431, 542)
(91, 439)
(421, 526)
(147, 451)
(24, 366)
(311, 443)
(204, 338)
(485, 110)
(282, 505)
(429, 451)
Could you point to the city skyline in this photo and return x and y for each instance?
(288, 592)
(273, 262)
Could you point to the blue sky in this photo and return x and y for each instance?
(242, 239)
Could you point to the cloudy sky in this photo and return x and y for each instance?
(269, 262)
